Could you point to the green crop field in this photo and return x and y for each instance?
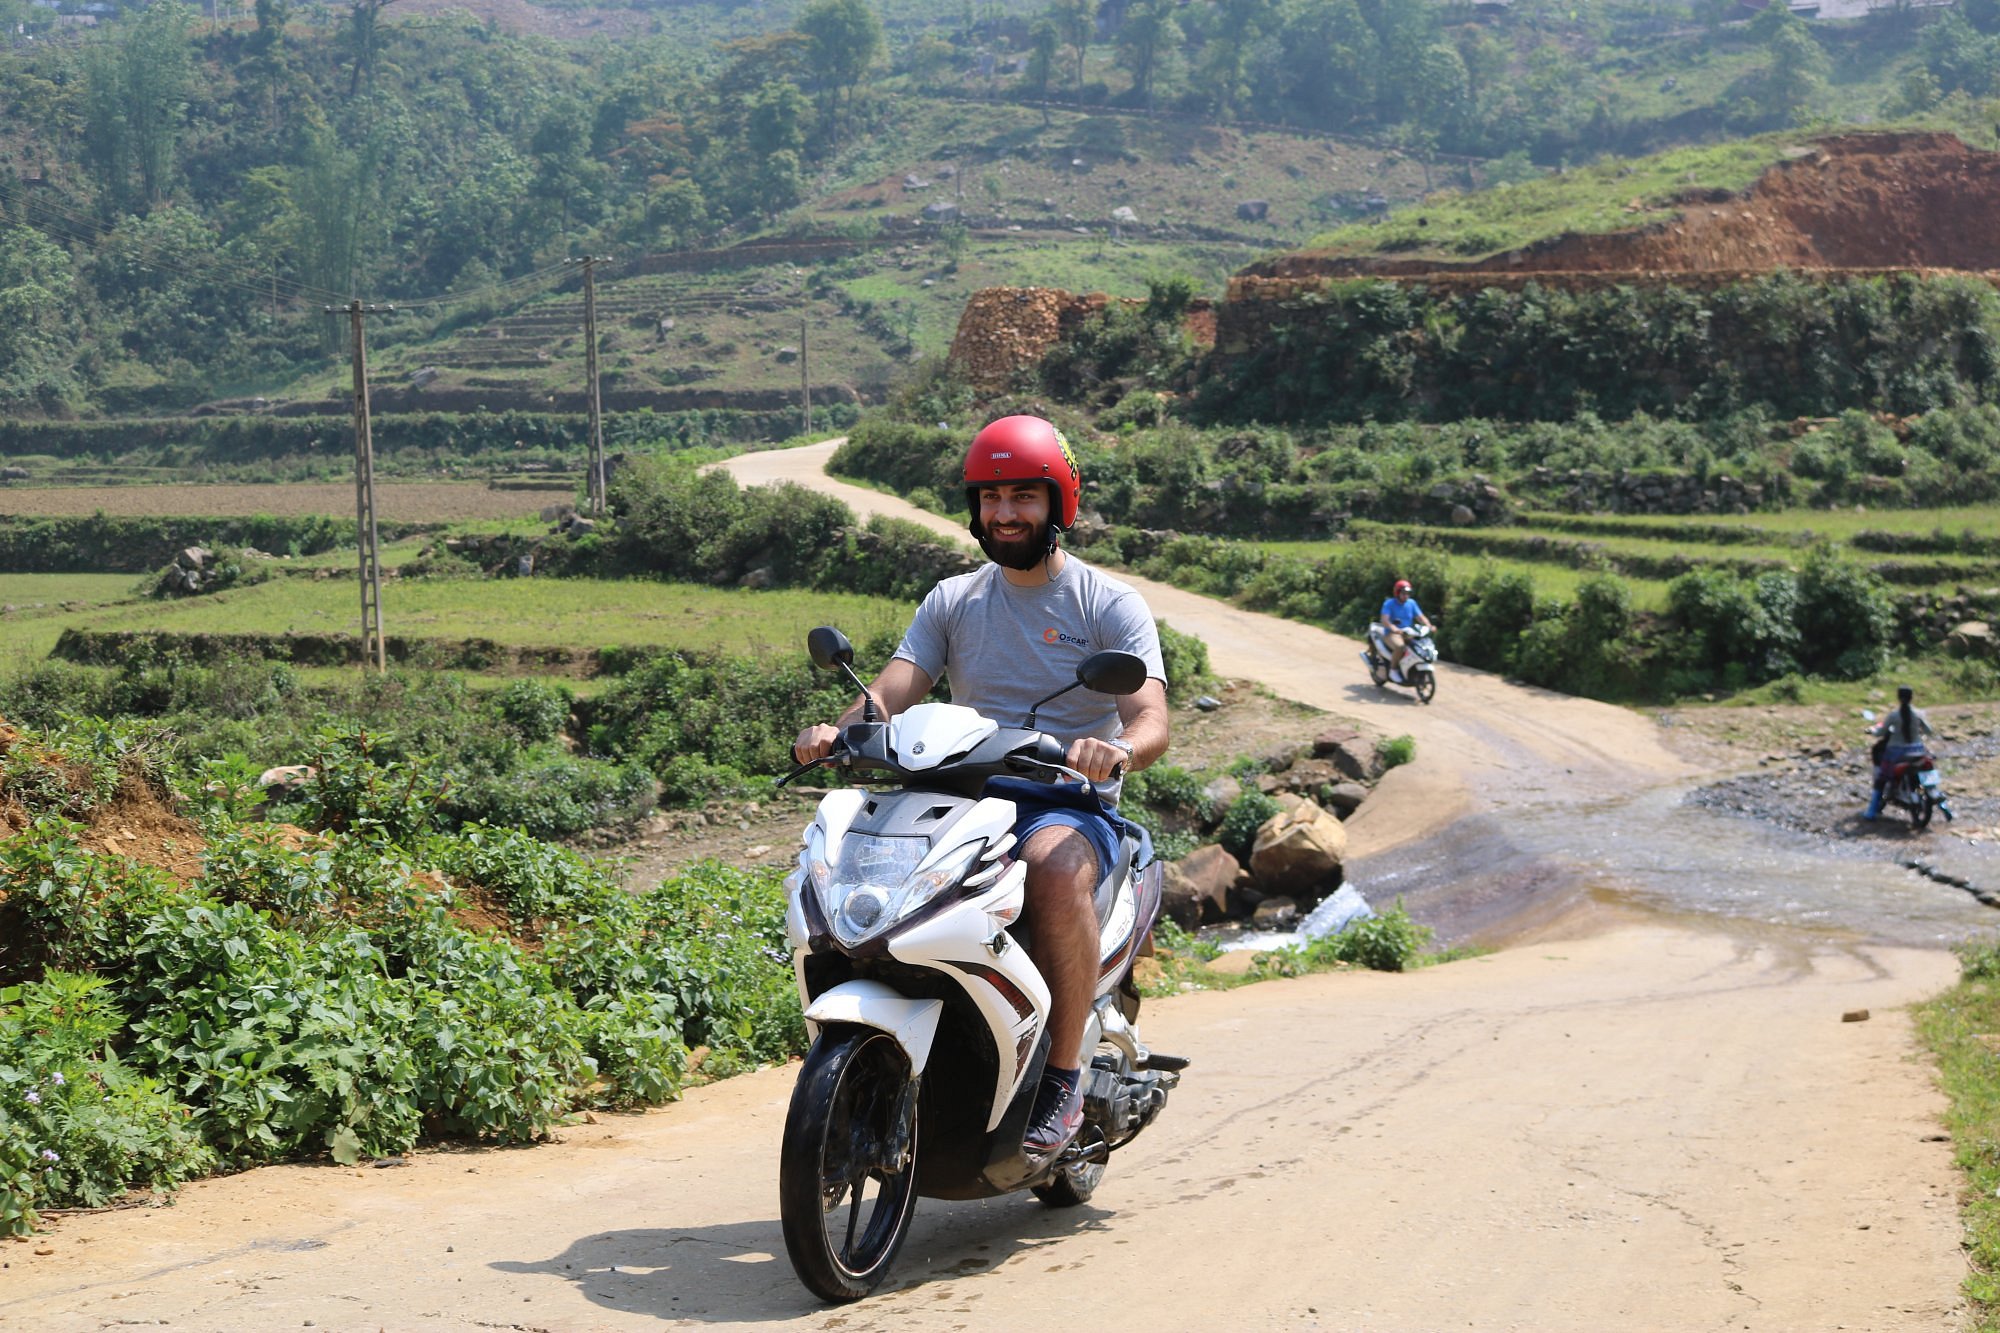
(513, 612)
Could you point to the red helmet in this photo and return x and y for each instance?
(1020, 449)
(1401, 585)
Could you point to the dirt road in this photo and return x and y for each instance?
(1656, 1125)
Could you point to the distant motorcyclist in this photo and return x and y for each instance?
(1899, 738)
(1399, 612)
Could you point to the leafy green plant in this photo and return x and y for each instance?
(78, 1126)
(1246, 814)
(1387, 942)
(1395, 751)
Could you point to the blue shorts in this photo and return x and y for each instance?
(1040, 805)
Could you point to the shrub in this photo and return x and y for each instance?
(558, 798)
(1390, 942)
(536, 709)
(1396, 751)
(1246, 814)
(1186, 661)
(77, 1125)
(1845, 617)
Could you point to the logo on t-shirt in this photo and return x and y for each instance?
(1053, 635)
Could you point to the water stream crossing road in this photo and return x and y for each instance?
(1645, 1113)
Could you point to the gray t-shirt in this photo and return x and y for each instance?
(1005, 647)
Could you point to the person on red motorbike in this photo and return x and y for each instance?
(1899, 739)
(1008, 635)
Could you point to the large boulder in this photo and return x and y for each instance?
(1344, 798)
(1195, 889)
(1298, 852)
(1350, 752)
(1975, 638)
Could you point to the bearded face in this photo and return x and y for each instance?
(1013, 524)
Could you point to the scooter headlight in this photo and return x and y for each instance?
(875, 883)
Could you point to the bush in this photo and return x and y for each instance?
(1390, 942)
(1845, 618)
(537, 709)
(1395, 751)
(1246, 814)
(77, 1125)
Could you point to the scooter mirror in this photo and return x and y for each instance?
(829, 648)
(1112, 672)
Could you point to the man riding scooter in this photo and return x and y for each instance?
(1399, 612)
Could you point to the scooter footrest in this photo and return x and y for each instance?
(1162, 1061)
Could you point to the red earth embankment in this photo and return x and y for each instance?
(1870, 202)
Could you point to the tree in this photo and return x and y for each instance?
(1149, 33)
(333, 196)
(776, 122)
(1043, 42)
(846, 38)
(135, 103)
(364, 22)
(1076, 21)
(1795, 78)
(37, 340)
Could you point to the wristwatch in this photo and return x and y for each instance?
(1122, 744)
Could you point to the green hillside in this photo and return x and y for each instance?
(180, 196)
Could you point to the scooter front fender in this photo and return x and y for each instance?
(872, 1004)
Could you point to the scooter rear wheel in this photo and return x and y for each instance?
(847, 1173)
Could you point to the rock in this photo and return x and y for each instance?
(1855, 1016)
(1298, 853)
(1974, 638)
(421, 377)
(1195, 889)
(761, 577)
(1344, 798)
(1329, 743)
(943, 210)
(1207, 703)
(286, 779)
(1462, 516)
(579, 527)
(915, 182)
(1284, 756)
(14, 474)
(786, 355)
(194, 557)
(1278, 913)
(1356, 759)
(1124, 216)
(1307, 776)
(1222, 792)
(1253, 210)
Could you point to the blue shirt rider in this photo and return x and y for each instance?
(1399, 612)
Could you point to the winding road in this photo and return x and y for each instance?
(1625, 1120)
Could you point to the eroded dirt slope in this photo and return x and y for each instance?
(1852, 201)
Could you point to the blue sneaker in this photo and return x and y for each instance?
(1056, 1117)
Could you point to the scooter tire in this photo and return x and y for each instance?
(1426, 685)
(838, 1141)
(1921, 811)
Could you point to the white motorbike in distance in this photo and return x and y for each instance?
(928, 1020)
(1418, 669)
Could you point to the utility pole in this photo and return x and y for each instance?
(594, 482)
(805, 384)
(372, 649)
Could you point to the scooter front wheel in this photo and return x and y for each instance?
(1426, 685)
(1921, 809)
(847, 1173)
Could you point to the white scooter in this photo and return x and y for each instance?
(1418, 669)
(928, 1020)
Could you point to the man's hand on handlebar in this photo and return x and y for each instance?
(1095, 758)
(815, 742)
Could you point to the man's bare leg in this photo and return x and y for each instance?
(1062, 875)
